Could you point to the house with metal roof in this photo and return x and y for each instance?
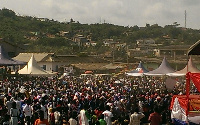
(52, 62)
(47, 61)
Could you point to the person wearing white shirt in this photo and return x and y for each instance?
(108, 115)
(72, 120)
(44, 109)
(57, 116)
(82, 117)
(136, 117)
(27, 110)
(140, 104)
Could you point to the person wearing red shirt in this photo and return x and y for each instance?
(155, 118)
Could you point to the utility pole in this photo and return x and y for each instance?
(127, 53)
(113, 55)
(185, 18)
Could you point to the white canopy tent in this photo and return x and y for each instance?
(33, 69)
(190, 67)
(162, 70)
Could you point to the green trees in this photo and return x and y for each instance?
(44, 35)
(7, 13)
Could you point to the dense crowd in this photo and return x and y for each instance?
(86, 101)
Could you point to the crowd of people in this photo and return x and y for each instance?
(86, 101)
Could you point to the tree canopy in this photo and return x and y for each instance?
(45, 35)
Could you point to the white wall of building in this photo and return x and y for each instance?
(51, 65)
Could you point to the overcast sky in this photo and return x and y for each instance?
(118, 12)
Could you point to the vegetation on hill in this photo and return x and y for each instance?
(44, 35)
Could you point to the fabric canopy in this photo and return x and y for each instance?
(139, 71)
(190, 67)
(180, 106)
(195, 77)
(5, 60)
(32, 68)
(194, 49)
(163, 69)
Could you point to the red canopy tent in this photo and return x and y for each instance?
(185, 108)
(181, 105)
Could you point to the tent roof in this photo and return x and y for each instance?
(38, 56)
(138, 71)
(32, 68)
(6, 60)
(163, 69)
(194, 49)
(190, 67)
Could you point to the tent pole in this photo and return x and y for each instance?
(188, 58)
(187, 87)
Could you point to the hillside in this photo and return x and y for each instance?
(44, 35)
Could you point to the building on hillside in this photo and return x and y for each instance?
(12, 49)
(47, 61)
(65, 33)
(88, 44)
(114, 44)
(143, 48)
(80, 40)
(33, 38)
(173, 51)
(108, 42)
(43, 19)
(138, 52)
(83, 63)
(52, 62)
(146, 44)
(35, 33)
(93, 43)
(120, 45)
(50, 35)
(75, 64)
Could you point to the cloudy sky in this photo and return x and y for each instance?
(118, 12)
